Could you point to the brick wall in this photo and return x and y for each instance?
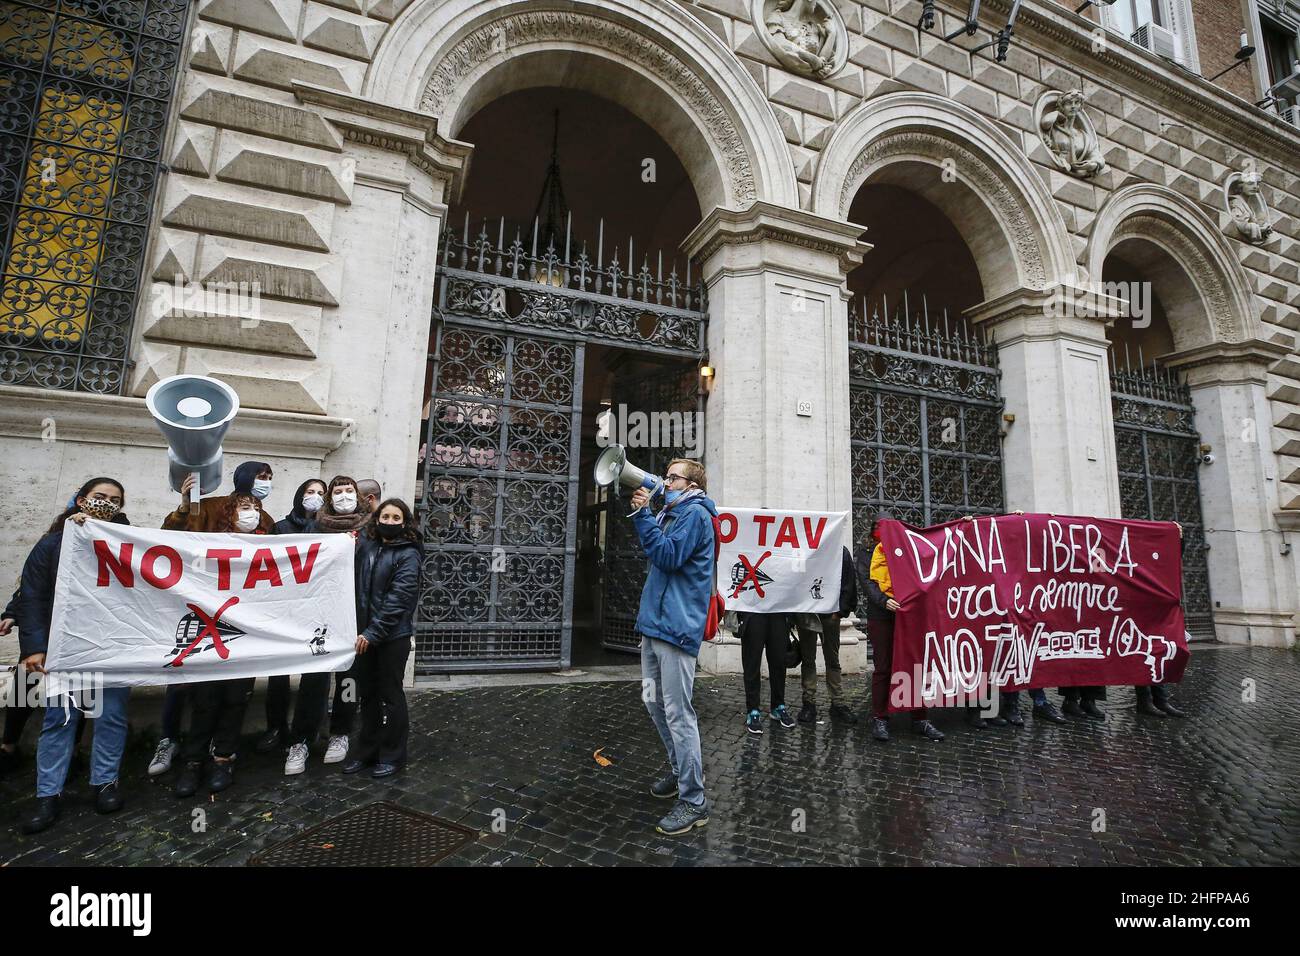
(1218, 36)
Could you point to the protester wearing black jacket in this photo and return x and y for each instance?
(387, 592)
(99, 499)
(17, 710)
(301, 519)
(828, 627)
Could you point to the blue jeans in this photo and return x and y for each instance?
(1011, 698)
(58, 740)
(667, 682)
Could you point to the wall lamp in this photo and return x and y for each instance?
(1001, 40)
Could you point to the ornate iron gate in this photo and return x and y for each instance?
(624, 575)
(500, 482)
(1158, 450)
(924, 416)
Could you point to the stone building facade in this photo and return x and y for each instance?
(315, 150)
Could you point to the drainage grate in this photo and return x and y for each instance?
(378, 834)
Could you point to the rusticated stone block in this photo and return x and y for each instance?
(192, 149)
(235, 319)
(279, 64)
(265, 381)
(346, 34)
(247, 212)
(258, 161)
(280, 272)
(277, 18)
(236, 105)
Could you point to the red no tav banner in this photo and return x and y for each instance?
(1036, 600)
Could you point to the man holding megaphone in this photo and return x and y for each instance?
(680, 543)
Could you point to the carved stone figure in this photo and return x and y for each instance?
(1251, 218)
(807, 37)
(1067, 131)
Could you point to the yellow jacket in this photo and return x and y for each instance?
(880, 571)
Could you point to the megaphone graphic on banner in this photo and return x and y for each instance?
(613, 468)
(193, 412)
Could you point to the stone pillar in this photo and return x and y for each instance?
(1252, 572)
(1059, 451)
(777, 429)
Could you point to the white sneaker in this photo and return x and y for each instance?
(296, 762)
(162, 757)
(337, 749)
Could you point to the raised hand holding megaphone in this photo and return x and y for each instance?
(613, 468)
(193, 412)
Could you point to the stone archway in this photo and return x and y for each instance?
(979, 177)
(1211, 391)
(648, 56)
(1193, 269)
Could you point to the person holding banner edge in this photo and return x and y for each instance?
(830, 642)
(218, 706)
(387, 592)
(100, 499)
(679, 588)
(301, 519)
(881, 608)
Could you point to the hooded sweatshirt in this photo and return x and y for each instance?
(299, 520)
(679, 544)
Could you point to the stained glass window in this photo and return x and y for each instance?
(85, 88)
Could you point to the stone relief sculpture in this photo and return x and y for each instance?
(1251, 218)
(1067, 131)
(807, 37)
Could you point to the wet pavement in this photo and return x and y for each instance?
(1217, 788)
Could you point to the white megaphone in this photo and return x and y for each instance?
(613, 468)
(193, 412)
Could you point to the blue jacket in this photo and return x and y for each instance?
(675, 599)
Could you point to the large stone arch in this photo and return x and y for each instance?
(1193, 271)
(988, 181)
(649, 56)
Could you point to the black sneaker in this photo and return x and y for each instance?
(664, 787)
(683, 819)
(269, 741)
(47, 811)
(841, 713)
(107, 799)
(974, 720)
(1170, 710)
(1071, 708)
(880, 729)
(1012, 716)
(927, 730)
(187, 781)
(808, 713)
(782, 716)
(754, 723)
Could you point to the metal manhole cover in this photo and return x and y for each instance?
(378, 834)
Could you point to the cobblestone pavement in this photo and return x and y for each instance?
(1218, 788)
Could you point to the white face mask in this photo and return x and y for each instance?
(312, 503)
(345, 502)
(248, 519)
(261, 489)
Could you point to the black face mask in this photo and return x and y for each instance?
(390, 532)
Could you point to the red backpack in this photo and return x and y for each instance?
(717, 606)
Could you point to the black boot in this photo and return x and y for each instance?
(1070, 707)
(880, 729)
(271, 740)
(107, 799)
(1160, 697)
(1144, 705)
(1011, 714)
(842, 714)
(808, 713)
(1048, 711)
(1091, 710)
(47, 811)
(974, 720)
(187, 781)
(927, 730)
(221, 775)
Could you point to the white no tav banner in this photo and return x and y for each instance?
(164, 607)
(781, 561)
